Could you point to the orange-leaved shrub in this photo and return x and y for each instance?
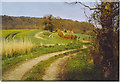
(66, 36)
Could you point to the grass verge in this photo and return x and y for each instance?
(82, 68)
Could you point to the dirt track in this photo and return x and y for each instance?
(56, 69)
(18, 72)
(38, 36)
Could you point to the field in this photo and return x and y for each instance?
(22, 45)
(17, 41)
(29, 34)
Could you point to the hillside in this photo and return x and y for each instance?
(11, 22)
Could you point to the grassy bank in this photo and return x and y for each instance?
(80, 67)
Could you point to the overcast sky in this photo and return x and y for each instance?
(40, 9)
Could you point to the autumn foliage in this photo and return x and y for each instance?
(66, 36)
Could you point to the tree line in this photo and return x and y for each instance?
(45, 23)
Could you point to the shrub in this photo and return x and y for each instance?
(74, 37)
(60, 34)
(71, 36)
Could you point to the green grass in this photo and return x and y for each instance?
(7, 32)
(17, 35)
(82, 68)
(7, 62)
(53, 40)
(23, 33)
(29, 34)
(39, 70)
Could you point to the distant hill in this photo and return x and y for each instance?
(11, 22)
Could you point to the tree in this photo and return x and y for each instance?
(48, 23)
(106, 39)
(107, 16)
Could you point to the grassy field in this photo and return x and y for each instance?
(29, 34)
(9, 34)
(18, 40)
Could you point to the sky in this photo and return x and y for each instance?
(40, 9)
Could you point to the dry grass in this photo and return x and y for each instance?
(15, 47)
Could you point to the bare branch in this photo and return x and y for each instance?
(84, 5)
(88, 6)
(85, 13)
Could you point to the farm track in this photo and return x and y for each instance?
(56, 70)
(7, 36)
(85, 41)
(38, 36)
(18, 72)
(11, 35)
(15, 34)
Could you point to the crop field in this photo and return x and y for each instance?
(18, 40)
(30, 34)
(7, 34)
(46, 37)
